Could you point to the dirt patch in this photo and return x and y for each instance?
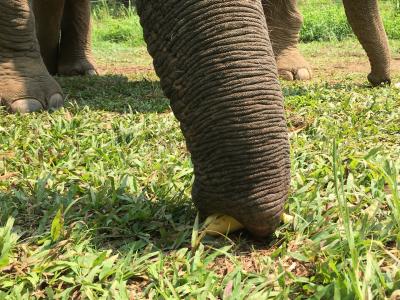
(123, 70)
(323, 65)
(350, 65)
(260, 262)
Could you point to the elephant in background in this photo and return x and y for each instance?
(284, 24)
(217, 66)
(63, 32)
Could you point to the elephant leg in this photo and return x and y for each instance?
(217, 67)
(365, 20)
(75, 47)
(25, 84)
(284, 23)
(48, 15)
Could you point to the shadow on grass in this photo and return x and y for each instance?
(114, 93)
(118, 93)
(111, 216)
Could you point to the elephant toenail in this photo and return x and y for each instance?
(91, 72)
(56, 101)
(303, 74)
(25, 106)
(286, 75)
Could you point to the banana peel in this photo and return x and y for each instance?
(222, 224)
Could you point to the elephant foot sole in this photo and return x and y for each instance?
(293, 66)
(26, 86)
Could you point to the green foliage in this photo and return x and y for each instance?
(8, 240)
(116, 24)
(325, 20)
(392, 23)
(57, 226)
(396, 4)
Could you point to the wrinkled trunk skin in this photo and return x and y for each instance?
(217, 67)
(364, 18)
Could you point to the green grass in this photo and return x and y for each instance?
(325, 20)
(95, 199)
(115, 24)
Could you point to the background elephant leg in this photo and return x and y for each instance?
(75, 47)
(25, 84)
(364, 18)
(48, 15)
(230, 106)
(284, 24)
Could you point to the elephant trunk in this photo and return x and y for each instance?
(217, 67)
(365, 20)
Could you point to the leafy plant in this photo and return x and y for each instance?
(8, 241)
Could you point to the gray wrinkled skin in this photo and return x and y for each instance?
(62, 29)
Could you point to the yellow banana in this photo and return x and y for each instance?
(287, 219)
(221, 225)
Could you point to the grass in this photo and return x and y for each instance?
(115, 24)
(95, 198)
(325, 20)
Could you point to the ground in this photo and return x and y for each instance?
(95, 198)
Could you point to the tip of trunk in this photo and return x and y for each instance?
(264, 227)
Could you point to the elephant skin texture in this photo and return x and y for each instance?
(25, 84)
(62, 29)
(217, 67)
(64, 33)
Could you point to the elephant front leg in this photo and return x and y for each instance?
(284, 24)
(366, 22)
(25, 84)
(75, 56)
(48, 15)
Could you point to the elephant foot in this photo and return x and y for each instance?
(73, 66)
(379, 79)
(293, 66)
(26, 86)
